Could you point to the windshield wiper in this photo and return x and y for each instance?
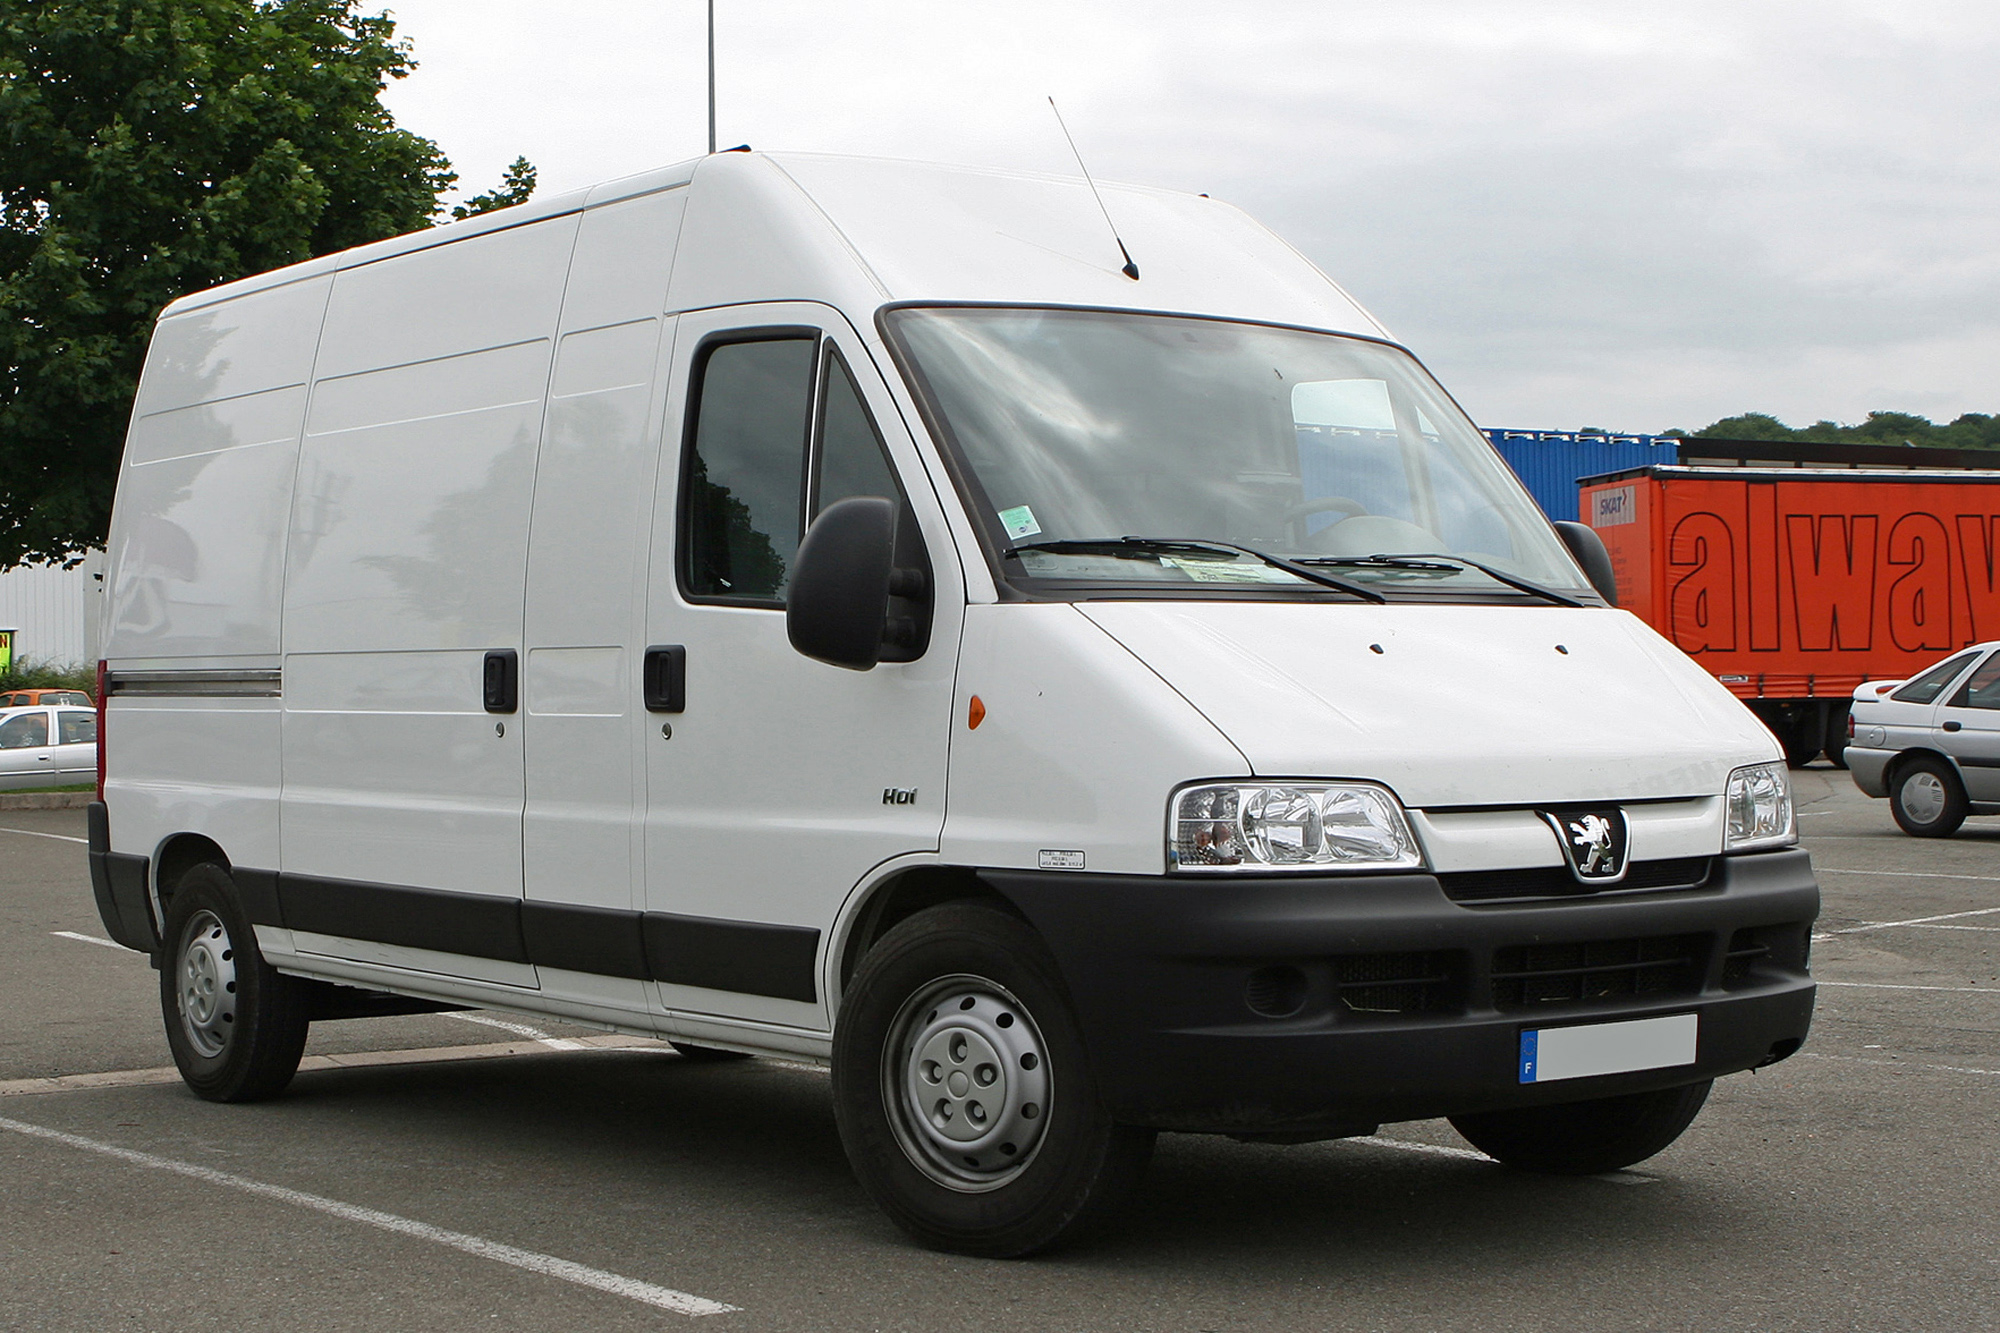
(1126, 547)
(1428, 560)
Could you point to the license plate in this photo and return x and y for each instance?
(1550, 1054)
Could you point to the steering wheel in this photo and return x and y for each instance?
(1297, 513)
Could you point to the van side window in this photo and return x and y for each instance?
(21, 733)
(851, 462)
(742, 502)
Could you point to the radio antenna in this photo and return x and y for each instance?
(1131, 270)
(711, 78)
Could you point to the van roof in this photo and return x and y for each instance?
(858, 233)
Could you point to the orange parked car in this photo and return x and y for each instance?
(31, 698)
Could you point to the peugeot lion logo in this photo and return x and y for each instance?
(1593, 840)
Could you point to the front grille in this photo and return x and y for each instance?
(1479, 886)
(1398, 983)
(1526, 976)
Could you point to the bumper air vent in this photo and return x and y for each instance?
(1763, 949)
(1528, 976)
(1398, 983)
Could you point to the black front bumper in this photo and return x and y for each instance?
(1397, 1003)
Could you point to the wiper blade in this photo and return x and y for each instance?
(1134, 545)
(1428, 559)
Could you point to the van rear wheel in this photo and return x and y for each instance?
(236, 1026)
(963, 1095)
(1585, 1138)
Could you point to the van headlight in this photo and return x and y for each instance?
(1759, 804)
(1289, 826)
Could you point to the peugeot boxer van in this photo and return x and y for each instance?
(835, 609)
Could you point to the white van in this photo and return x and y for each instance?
(827, 608)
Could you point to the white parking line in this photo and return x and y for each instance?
(1468, 1155)
(36, 833)
(519, 1030)
(1899, 1064)
(1913, 921)
(1906, 874)
(1886, 985)
(93, 939)
(664, 1298)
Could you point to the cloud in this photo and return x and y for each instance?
(1639, 215)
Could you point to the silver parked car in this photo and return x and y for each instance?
(47, 747)
(1931, 744)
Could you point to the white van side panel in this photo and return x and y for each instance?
(407, 558)
(196, 572)
(582, 722)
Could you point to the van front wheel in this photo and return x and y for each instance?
(1585, 1138)
(964, 1099)
(236, 1026)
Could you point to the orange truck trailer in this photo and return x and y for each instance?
(1793, 581)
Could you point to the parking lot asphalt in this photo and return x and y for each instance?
(514, 1173)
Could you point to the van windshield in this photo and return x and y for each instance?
(1111, 447)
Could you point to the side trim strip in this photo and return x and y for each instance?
(602, 940)
(463, 923)
(260, 683)
(746, 957)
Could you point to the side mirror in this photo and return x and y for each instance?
(1588, 548)
(843, 579)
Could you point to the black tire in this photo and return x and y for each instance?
(1926, 797)
(706, 1055)
(236, 1026)
(1584, 1138)
(1836, 735)
(1801, 739)
(976, 989)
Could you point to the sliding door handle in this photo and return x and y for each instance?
(665, 683)
(501, 680)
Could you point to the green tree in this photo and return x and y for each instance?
(150, 148)
(1972, 430)
(515, 187)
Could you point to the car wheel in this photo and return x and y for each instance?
(1926, 798)
(235, 1025)
(1584, 1138)
(964, 1098)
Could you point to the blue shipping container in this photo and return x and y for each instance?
(1550, 461)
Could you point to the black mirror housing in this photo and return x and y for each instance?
(1588, 548)
(838, 605)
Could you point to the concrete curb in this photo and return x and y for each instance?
(45, 800)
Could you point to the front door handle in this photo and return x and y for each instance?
(1953, 726)
(665, 678)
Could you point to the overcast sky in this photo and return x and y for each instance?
(1607, 213)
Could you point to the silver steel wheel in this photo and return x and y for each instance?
(205, 967)
(965, 1076)
(1922, 796)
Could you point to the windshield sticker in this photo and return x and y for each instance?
(1019, 522)
(1222, 570)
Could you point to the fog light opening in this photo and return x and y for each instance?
(1276, 992)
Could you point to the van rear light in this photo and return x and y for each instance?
(1850, 726)
(101, 675)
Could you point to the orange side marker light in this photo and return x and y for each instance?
(975, 714)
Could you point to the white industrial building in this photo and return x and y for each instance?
(52, 611)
